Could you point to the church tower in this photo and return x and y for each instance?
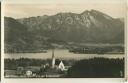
(53, 59)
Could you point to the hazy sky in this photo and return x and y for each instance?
(114, 8)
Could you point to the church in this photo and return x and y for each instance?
(57, 63)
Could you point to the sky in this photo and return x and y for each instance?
(29, 8)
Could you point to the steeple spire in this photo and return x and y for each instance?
(53, 59)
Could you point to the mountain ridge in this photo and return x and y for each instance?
(87, 27)
(86, 19)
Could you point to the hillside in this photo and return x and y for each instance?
(16, 35)
(89, 26)
(39, 32)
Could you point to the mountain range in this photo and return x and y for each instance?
(87, 27)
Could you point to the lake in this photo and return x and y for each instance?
(61, 54)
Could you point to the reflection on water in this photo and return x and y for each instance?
(63, 54)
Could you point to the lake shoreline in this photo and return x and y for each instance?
(63, 54)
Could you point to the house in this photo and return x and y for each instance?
(59, 65)
(32, 71)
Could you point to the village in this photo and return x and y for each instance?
(48, 70)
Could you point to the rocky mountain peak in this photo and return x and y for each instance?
(85, 27)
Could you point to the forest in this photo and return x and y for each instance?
(97, 68)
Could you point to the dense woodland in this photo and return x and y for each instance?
(97, 68)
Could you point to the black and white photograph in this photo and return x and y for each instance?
(64, 40)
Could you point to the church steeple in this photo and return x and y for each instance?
(53, 59)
